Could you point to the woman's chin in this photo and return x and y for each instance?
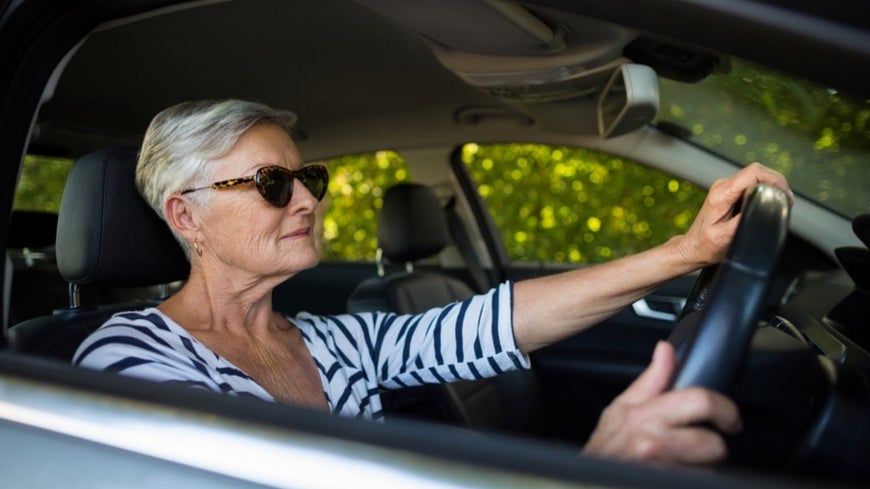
(303, 260)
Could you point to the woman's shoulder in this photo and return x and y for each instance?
(148, 319)
(148, 344)
(135, 331)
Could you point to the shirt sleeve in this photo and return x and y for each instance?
(126, 344)
(471, 339)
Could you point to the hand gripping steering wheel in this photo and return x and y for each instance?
(729, 298)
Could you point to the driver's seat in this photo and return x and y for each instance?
(413, 226)
(107, 236)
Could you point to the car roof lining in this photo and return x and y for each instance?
(365, 70)
(84, 111)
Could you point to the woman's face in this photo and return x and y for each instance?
(243, 232)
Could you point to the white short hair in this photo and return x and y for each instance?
(181, 140)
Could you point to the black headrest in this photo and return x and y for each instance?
(106, 232)
(412, 225)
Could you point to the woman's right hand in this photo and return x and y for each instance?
(649, 424)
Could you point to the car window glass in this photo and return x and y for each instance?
(574, 205)
(41, 183)
(816, 136)
(347, 216)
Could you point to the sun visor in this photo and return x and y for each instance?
(493, 28)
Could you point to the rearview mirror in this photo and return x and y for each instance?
(630, 100)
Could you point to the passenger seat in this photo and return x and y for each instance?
(413, 226)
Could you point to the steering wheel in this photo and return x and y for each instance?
(724, 306)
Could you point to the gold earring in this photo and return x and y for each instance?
(196, 247)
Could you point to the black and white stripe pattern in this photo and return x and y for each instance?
(354, 353)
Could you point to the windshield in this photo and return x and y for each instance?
(818, 137)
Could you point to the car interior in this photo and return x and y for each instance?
(412, 225)
(427, 79)
(107, 237)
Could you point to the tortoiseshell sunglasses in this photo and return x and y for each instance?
(275, 183)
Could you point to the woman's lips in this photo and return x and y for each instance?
(303, 232)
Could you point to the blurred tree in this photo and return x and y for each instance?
(356, 191)
(41, 183)
(819, 138)
(565, 204)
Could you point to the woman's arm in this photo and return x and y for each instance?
(551, 308)
(471, 339)
(646, 422)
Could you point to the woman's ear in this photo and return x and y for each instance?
(181, 216)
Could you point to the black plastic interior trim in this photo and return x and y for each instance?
(777, 33)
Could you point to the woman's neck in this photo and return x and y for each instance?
(212, 305)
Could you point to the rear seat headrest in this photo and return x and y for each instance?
(411, 225)
(106, 232)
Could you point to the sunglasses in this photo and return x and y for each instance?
(275, 183)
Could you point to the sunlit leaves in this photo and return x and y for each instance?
(828, 140)
(40, 186)
(818, 137)
(574, 205)
(356, 190)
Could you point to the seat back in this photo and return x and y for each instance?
(413, 226)
(107, 236)
(35, 287)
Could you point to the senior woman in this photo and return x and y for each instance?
(230, 183)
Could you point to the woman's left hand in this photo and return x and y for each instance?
(710, 234)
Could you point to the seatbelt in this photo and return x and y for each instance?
(482, 281)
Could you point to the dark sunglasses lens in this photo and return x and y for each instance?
(315, 179)
(275, 185)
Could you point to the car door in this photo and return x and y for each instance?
(555, 208)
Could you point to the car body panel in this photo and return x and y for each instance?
(64, 426)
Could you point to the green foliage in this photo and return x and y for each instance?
(356, 191)
(819, 138)
(40, 186)
(563, 204)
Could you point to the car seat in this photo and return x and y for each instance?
(35, 288)
(107, 236)
(413, 226)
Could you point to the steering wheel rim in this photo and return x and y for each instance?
(713, 335)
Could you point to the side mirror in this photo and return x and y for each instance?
(629, 101)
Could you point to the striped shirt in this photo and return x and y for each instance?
(355, 354)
